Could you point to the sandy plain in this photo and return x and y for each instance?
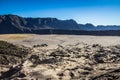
(54, 40)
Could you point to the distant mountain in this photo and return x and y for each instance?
(16, 24)
(13, 23)
(91, 27)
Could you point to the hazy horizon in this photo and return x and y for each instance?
(97, 12)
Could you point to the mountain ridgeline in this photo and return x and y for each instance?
(16, 24)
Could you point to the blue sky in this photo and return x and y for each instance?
(97, 12)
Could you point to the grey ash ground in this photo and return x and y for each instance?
(66, 61)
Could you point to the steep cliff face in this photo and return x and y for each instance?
(50, 23)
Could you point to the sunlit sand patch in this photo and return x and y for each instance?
(15, 36)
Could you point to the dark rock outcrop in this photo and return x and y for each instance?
(10, 56)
